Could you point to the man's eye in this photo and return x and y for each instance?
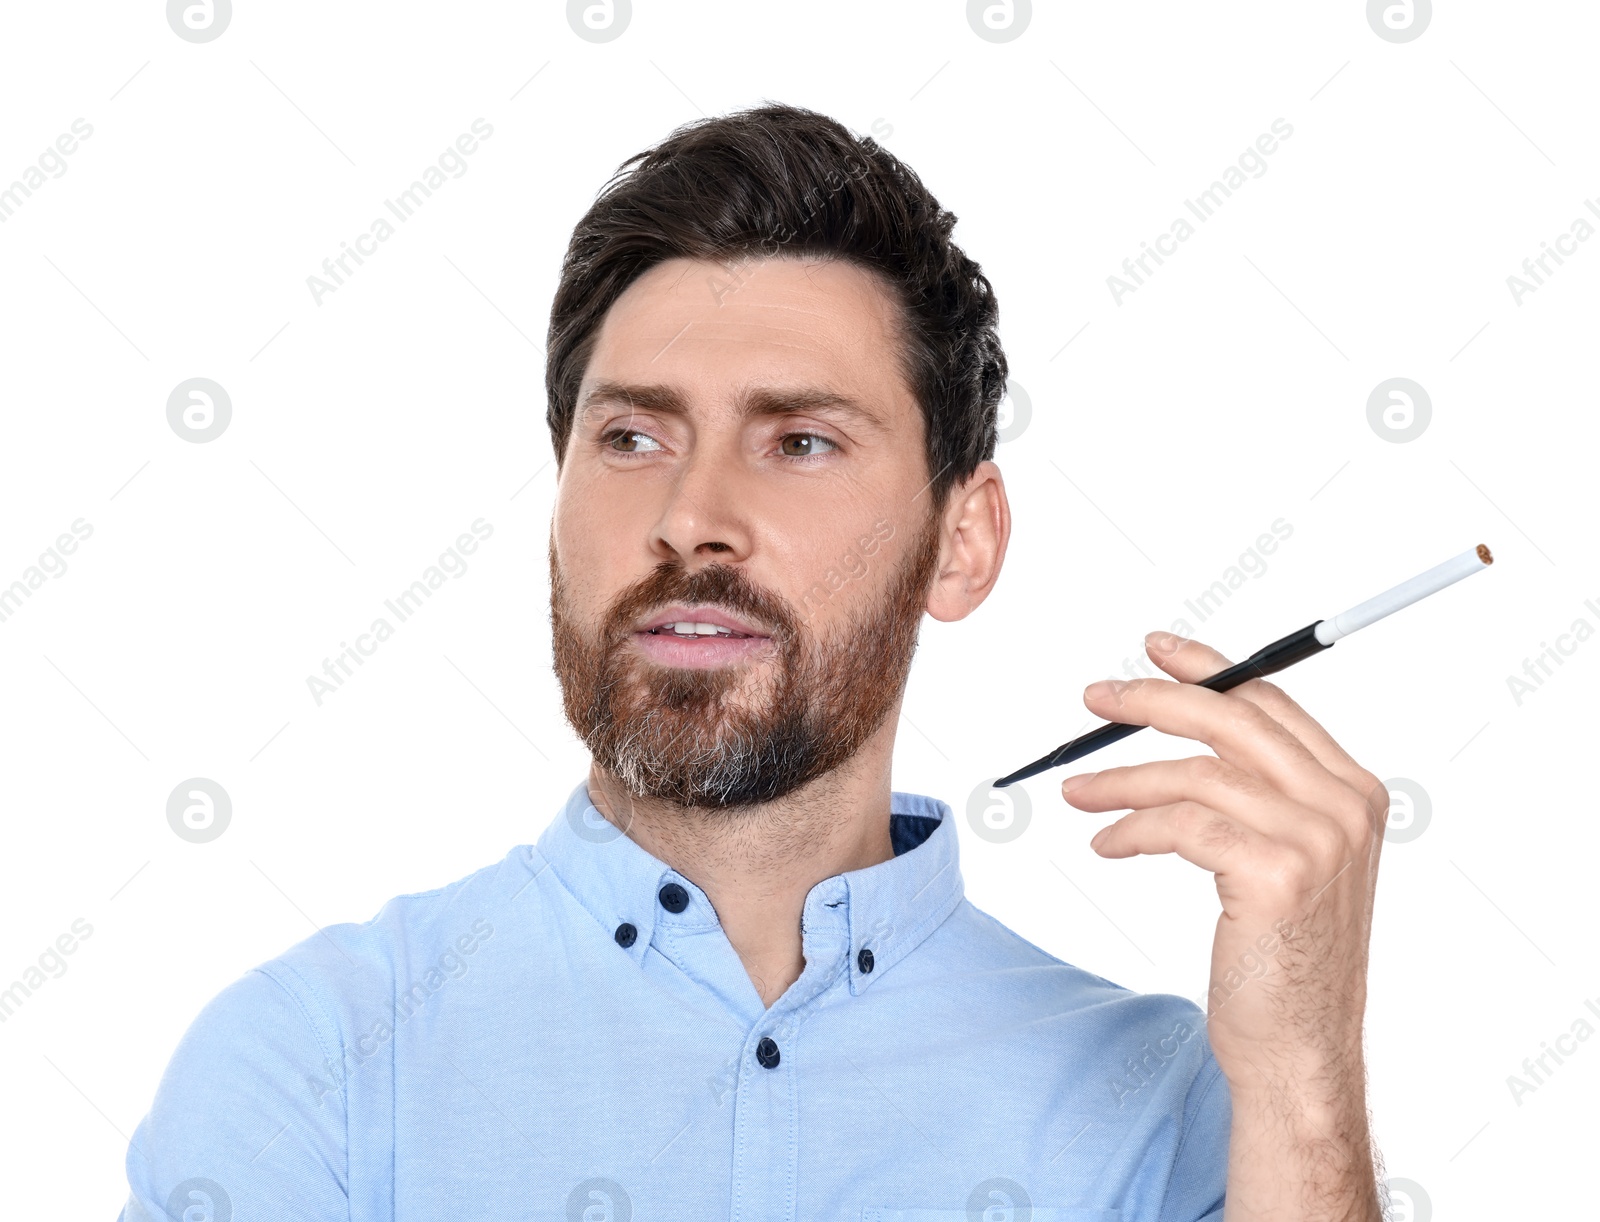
(611, 439)
(807, 443)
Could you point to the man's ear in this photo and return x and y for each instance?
(973, 534)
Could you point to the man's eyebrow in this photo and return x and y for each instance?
(758, 401)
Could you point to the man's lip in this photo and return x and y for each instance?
(678, 613)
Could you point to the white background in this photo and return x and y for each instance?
(1166, 433)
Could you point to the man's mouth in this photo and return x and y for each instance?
(698, 637)
(686, 629)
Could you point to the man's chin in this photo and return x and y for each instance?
(741, 688)
(679, 782)
(715, 759)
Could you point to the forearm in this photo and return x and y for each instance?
(1300, 1149)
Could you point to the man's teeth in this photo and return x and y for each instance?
(687, 629)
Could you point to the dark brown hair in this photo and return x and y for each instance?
(782, 180)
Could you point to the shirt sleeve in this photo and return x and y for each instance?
(1197, 1189)
(249, 1117)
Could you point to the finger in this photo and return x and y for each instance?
(1190, 661)
(1194, 831)
(1206, 779)
(1250, 869)
(1238, 730)
(1186, 660)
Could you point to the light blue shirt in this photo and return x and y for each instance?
(502, 1048)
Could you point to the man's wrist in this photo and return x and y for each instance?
(1301, 1145)
(1318, 1070)
(1321, 1085)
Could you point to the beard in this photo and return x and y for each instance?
(732, 736)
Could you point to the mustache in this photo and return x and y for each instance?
(717, 585)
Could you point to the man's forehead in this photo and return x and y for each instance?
(719, 283)
(801, 313)
(784, 335)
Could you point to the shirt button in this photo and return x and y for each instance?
(767, 1053)
(864, 959)
(673, 898)
(625, 934)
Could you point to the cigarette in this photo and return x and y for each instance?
(1282, 653)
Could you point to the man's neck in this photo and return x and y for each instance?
(757, 864)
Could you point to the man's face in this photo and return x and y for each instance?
(801, 532)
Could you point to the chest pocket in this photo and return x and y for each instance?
(994, 1213)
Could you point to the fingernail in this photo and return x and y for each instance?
(1102, 688)
(1164, 640)
(1099, 838)
(1073, 782)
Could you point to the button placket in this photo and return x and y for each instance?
(765, 1141)
(763, 1087)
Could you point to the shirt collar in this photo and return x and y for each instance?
(887, 909)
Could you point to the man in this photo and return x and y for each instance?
(736, 976)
